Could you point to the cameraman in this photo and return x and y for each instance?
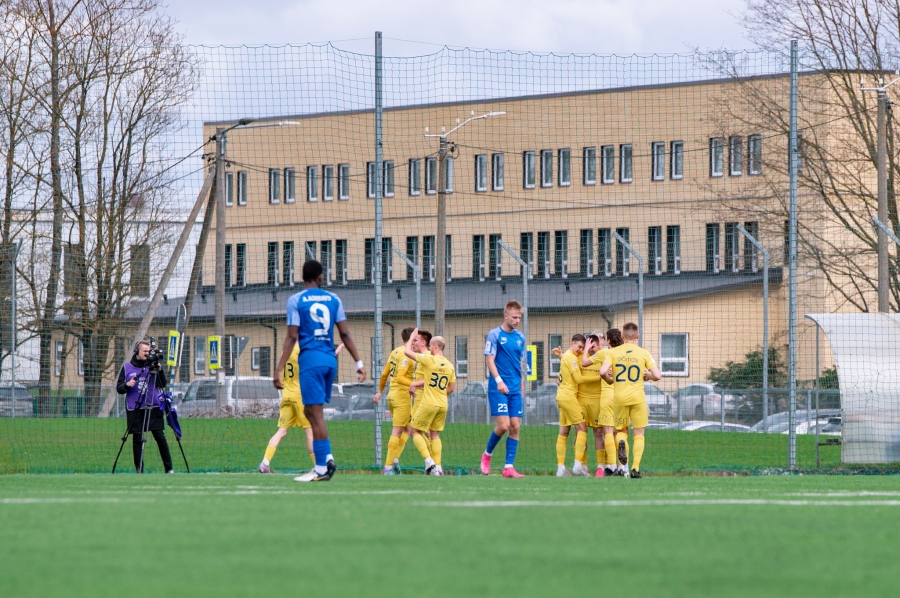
(134, 383)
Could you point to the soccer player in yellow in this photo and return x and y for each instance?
(399, 369)
(571, 413)
(421, 341)
(629, 366)
(290, 413)
(439, 381)
(597, 399)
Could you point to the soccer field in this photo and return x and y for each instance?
(365, 535)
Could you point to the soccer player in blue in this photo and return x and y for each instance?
(312, 315)
(504, 351)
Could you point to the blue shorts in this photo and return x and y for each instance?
(505, 404)
(315, 384)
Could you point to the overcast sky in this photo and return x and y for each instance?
(562, 26)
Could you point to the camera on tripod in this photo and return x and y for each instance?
(154, 356)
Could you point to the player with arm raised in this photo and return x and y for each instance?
(399, 369)
(629, 366)
(571, 413)
(597, 397)
(504, 352)
(312, 315)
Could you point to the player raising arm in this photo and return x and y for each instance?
(312, 315)
(399, 368)
(571, 413)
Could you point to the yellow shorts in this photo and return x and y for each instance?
(607, 415)
(429, 417)
(638, 414)
(570, 412)
(592, 408)
(291, 414)
(400, 411)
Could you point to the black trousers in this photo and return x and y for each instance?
(164, 453)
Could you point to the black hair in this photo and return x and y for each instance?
(406, 333)
(578, 338)
(614, 336)
(312, 270)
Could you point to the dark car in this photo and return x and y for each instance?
(20, 397)
(351, 401)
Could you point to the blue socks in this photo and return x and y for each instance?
(492, 443)
(322, 450)
(511, 446)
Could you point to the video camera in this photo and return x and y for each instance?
(154, 356)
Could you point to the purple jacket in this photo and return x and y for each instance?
(133, 395)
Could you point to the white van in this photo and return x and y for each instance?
(245, 396)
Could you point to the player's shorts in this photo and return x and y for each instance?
(638, 414)
(315, 384)
(291, 414)
(429, 417)
(570, 412)
(607, 414)
(401, 411)
(592, 409)
(505, 404)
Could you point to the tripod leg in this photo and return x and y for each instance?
(186, 466)
(119, 454)
(144, 429)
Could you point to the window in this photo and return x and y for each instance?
(480, 172)
(715, 156)
(327, 182)
(622, 255)
(325, 259)
(751, 260)
(528, 170)
(526, 248)
(431, 175)
(371, 180)
(604, 254)
(290, 185)
(272, 265)
(589, 166)
(654, 250)
(310, 250)
(554, 341)
(184, 365)
(673, 354)
(287, 263)
(497, 172)
(74, 270)
(448, 255)
(732, 247)
(754, 154)
(415, 177)
(343, 181)
(199, 355)
(80, 358)
(565, 167)
(340, 261)
(543, 255)
(428, 257)
(229, 189)
(58, 361)
(462, 356)
(265, 361)
(228, 356)
(546, 168)
(387, 260)
(608, 157)
(240, 264)
(586, 253)
(140, 270)
(274, 185)
(448, 168)
(735, 155)
(369, 260)
(561, 253)
(254, 358)
(494, 257)
(712, 248)
(312, 183)
(242, 188)
(676, 160)
(412, 254)
(673, 249)
(388, 178)
(477, 257)
(786, 234)
(658, 152)
(625, 163)
(228, 265)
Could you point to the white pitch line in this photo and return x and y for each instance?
(56, 501)
(664, 503)
(841, 493)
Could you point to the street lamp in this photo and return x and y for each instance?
(441, 240)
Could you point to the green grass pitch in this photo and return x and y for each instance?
(223, 535)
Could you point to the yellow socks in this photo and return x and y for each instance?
(581, 445)
(610, 443)
(270, 452)
(393, 451)
(601, 457)
(420, 443)
(638, 452)
(437, 448)
(561, 450)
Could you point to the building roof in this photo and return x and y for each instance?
(467, 297)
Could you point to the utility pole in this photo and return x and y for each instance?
(220, 262)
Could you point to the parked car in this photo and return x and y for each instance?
(659, 403)
(702, 399)
(829, 426)
(469, 404)
(245, 396)
(708, 426)
(351, 401)
(178, 390)
(778, 422)
(24, 402)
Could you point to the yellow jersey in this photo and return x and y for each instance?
(399, 369)
(629, 362)
(291, 377)
(438, 373)
(596, 390)
(417, 371)
(570, 376)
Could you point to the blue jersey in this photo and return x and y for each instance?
(508, 349)
(315, 312)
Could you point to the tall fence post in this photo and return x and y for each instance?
(765, 372)
(379, 257)
(640, 260)
(525, 273)
(792, 259)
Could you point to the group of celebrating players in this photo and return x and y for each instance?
(601, 386)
